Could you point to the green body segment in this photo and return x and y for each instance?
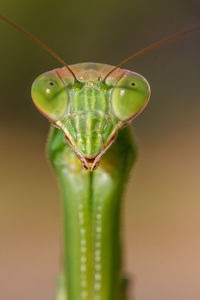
(91, 205)
(89, 114)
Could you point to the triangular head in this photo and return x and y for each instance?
(90, 111)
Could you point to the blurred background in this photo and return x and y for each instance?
(161, 211)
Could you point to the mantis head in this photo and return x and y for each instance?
(90, 111)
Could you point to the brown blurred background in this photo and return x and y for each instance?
(162, 206)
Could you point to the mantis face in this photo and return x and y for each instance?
(90, 111)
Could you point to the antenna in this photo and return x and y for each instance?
(35, 40)
(153, 46)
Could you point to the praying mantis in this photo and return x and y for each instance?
(90, 146)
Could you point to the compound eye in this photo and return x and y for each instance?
(129, 96)
(50, 96)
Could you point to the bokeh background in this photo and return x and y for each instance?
(161, 217)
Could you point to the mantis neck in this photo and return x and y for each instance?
(92, 209)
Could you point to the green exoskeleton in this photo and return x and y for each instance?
(91, 148)
(87, 116)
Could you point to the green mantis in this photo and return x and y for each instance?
(92, 197)
(88, 105)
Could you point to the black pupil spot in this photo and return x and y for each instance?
(132, 83)
(51, 83)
